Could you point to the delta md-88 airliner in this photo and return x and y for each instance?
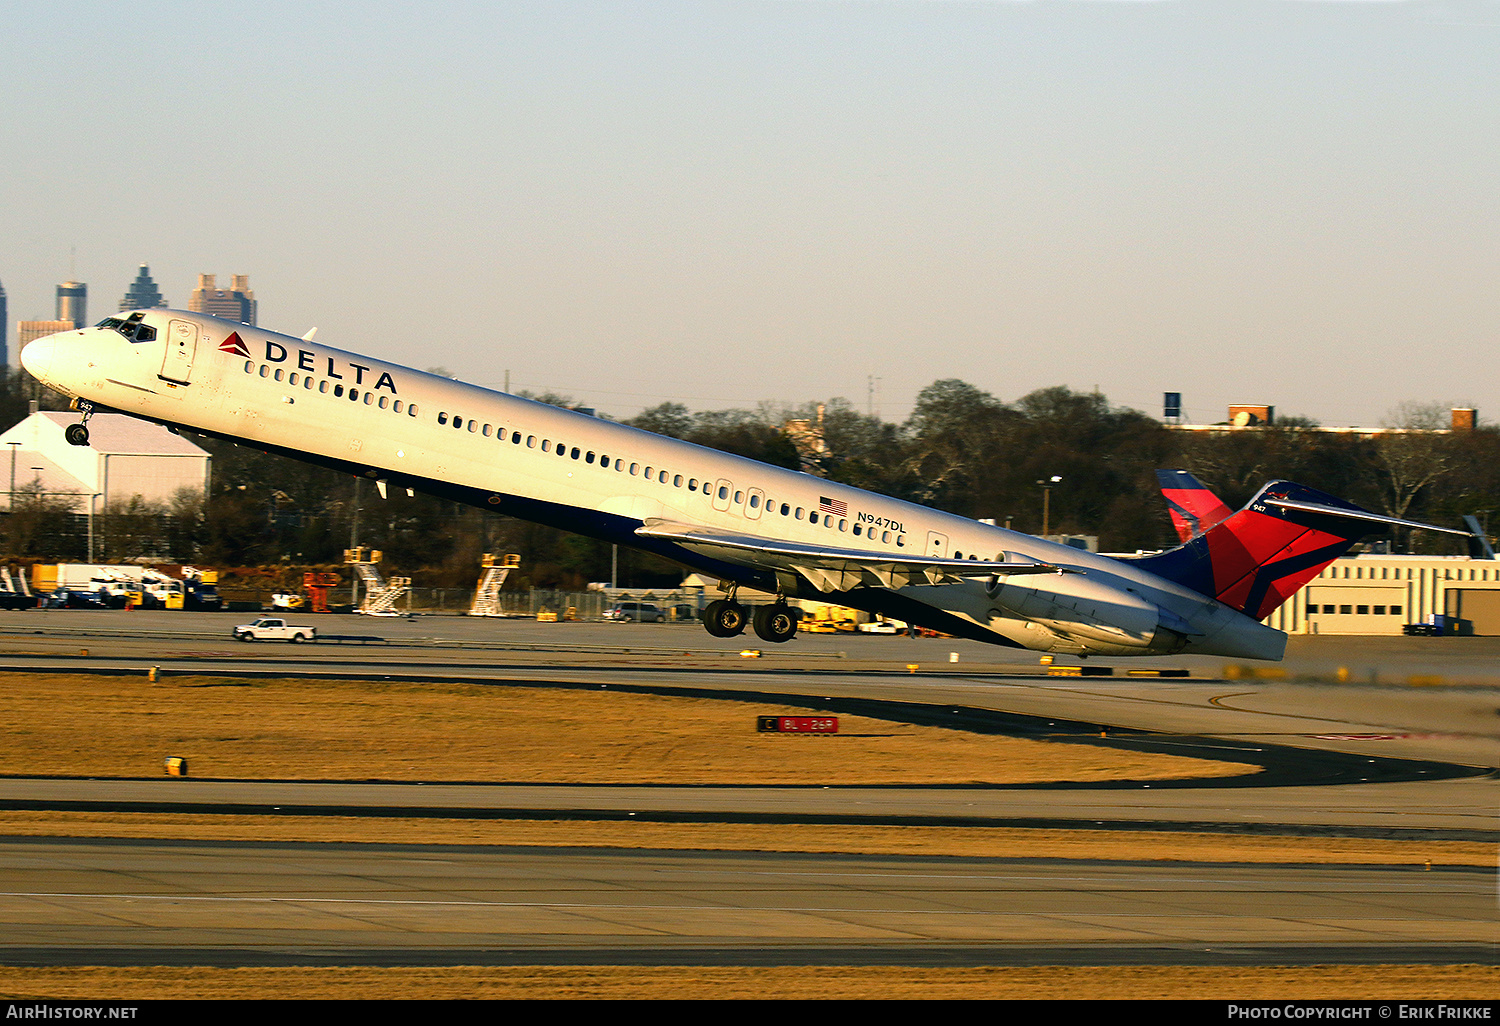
(779, 531)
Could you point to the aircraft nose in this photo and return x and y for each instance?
(37, 356)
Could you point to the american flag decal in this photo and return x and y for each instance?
(234, 344)
(834, 506)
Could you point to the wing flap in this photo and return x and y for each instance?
(830, 568)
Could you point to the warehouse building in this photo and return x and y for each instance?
(125, 458)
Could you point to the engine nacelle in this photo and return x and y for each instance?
(1086, 614)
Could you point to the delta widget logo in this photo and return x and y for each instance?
(235, 346)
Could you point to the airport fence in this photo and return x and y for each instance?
(586, 605)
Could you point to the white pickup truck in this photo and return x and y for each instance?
(273, 628)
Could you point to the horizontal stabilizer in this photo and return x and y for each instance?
(1374, 519)
(1479, 542)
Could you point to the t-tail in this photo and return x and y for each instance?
(1194, 508)
(1256, 559)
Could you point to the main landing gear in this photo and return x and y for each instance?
(78, 434)
(726, 618)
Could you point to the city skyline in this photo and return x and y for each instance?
(726, 203)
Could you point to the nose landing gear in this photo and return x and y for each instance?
(78, 434)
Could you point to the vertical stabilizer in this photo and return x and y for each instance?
(1194, 508)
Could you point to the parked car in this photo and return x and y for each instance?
(637, 612)
(71, 598)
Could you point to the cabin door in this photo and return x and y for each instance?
(182, 348)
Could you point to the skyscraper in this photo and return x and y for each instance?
(236, 303)
(73, 302)
(143, 293)
(4, 327)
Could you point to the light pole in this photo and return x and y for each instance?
(1047, 486)
(13, 447)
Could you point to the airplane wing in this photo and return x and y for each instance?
(831, 569)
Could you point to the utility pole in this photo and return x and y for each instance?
(354, 544)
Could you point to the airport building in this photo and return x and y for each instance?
(143, 293)
(125, 458)
(28, 330)
(1381, 594)
(236, 303)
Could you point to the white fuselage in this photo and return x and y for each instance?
(406, 428)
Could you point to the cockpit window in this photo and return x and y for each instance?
(131, 328)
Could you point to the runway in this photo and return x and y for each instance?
(111, 902)
(1364, 760)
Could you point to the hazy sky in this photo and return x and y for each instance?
(719, 203)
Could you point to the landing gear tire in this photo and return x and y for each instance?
(724, 619)
(775, 623)
(76, 434)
